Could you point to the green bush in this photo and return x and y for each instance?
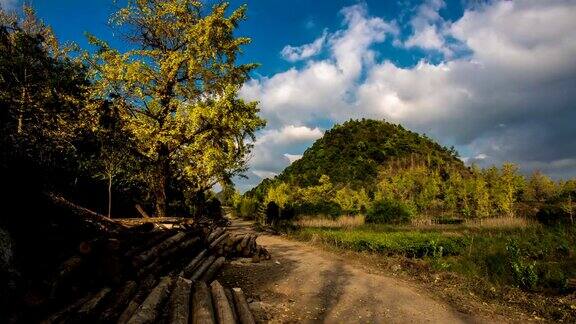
(388, 211)
(247, 208)
(551, 215)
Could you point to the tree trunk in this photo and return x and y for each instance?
(109, 196)
(161, 181)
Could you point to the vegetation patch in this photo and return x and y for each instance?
(532, 258)
(409, 244)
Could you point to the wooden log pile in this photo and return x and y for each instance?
(172, 299)
(149, 274)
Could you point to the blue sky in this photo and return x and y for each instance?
(497, 79)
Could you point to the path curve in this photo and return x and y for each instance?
(303, 283)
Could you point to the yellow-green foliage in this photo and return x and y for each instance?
(278, 194)
(178, 89)
(352, 201)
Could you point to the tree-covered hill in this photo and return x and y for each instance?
(394, 175)
(352, 154)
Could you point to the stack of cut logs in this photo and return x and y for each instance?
(147, 274)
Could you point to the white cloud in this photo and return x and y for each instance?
(273, 149)
(265, 174)
(298, 53)
(511, 98)
(322, 88)
(428, 28)
(293, 157)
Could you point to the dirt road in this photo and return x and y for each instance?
(303, 283)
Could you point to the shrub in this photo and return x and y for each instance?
(247, 208)
(388, 211)
(552, 215)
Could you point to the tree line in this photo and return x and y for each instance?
(421, 183)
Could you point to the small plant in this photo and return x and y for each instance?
(388, 211)
(523, 272)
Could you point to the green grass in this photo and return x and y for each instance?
(409, 244)
(534, 258)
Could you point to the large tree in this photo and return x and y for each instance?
(178, 89)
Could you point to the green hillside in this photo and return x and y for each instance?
(353, 153)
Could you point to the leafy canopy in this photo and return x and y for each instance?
(177, 88)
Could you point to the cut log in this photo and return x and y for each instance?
(186, 245)
(148, 311)
(62, 314)
(243, 243)
(249, 248)
(244, 313)
(157, 237)
(141, 211)
(231, 303)
(89, 308)
(202, 268)
(224, 313)
(66, 269)
(188, 270)
(233, 240)
(179, 304)
(102, 222)
(212, 271)
(69, 266)
(154, 220)
(215, 234)
(153, 252)
(118, 302)
(219, 240)
(166, 256)
(202, 310)
(145, 286)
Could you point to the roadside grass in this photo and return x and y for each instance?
(344, 221)
(409, 244)
(518, 264)
(528, 256)
(352, 221)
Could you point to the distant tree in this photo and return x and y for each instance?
(539, 188)
(345, 198)
(481, 198)
(279, 194)
(510, 184)
(178, 88)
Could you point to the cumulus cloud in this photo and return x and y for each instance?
(428, 28)
(272, 148)
(509, 98)
(298, 53)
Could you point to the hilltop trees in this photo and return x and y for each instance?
(177, 91)
(406, 175)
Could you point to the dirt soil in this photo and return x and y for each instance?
(303, 283)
